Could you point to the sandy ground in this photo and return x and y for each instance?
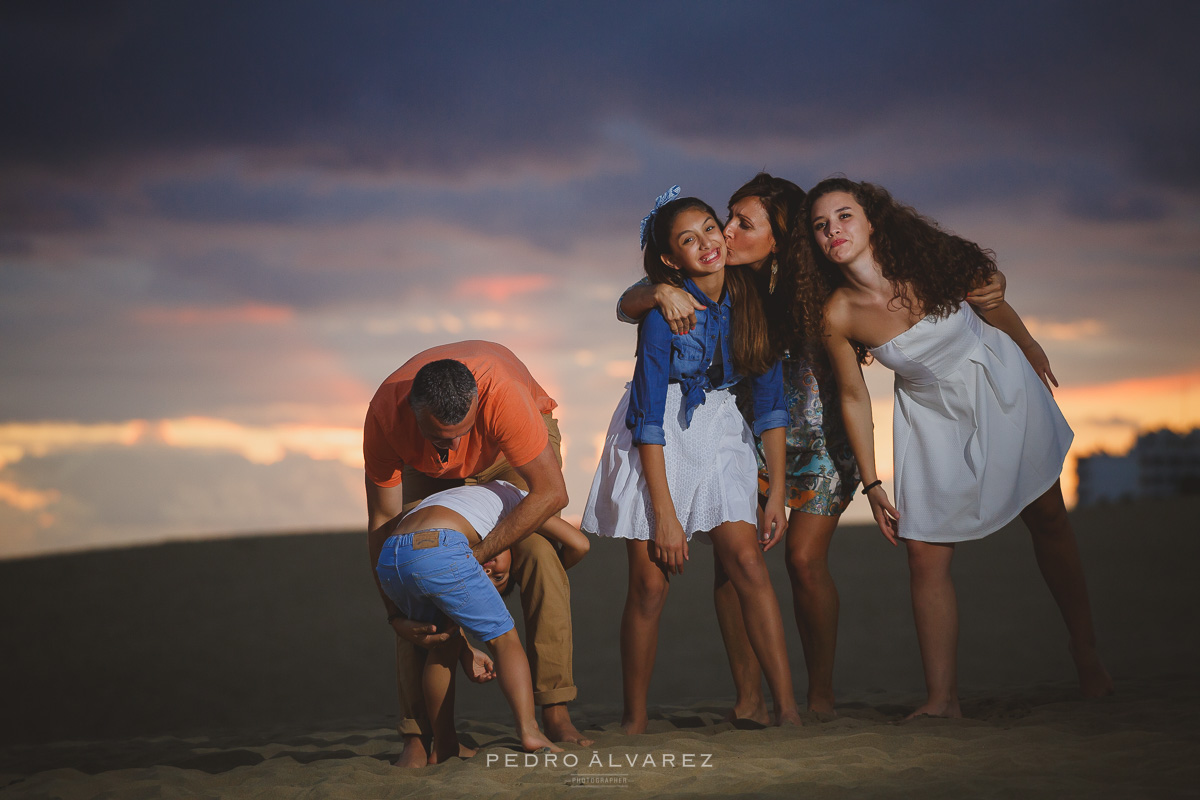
(262, 668)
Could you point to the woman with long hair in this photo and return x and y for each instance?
(765, 217)
(978, 438)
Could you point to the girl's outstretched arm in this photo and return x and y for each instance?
(1006, 319)
(860, 428)
(574, 545)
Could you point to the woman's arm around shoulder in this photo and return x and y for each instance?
(676, 305)
(1005, 318)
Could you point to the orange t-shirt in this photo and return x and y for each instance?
(509, 420)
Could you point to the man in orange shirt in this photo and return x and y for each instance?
(470, 412)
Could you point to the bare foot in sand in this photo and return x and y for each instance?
(444, 751)
(754, 712)
(944, 709)
(632, 727)
(791, 717)
(1094, 679)
(556, 719)
(534, 742)
(414, 754)
(821, 705)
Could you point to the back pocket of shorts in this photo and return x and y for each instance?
(444, 587)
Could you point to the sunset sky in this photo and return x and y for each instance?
(223, 224)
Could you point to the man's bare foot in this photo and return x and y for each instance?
(556, 720)
(1094, 679)
(446, 750)
(415, 754)
(753, 711)
(789, 717)
(946, 709)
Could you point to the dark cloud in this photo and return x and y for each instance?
(445, 88)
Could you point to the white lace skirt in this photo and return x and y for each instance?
(712, 472)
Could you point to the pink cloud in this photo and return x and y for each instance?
(248, 314)
(499, 288)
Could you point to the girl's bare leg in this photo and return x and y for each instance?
(815, 599)
(1058, 558)
(935, 611)
(743, 665)
(737, 545)
(512, 670)
(437, 684)
(644, 601)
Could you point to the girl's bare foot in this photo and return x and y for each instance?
(947, 709)
(791, 717)
(633, 726)
(1094, 679)
(821, 704)
(756, 712)
(444, 751)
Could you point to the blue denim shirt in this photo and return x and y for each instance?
(664, 357)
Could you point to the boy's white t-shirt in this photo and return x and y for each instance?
(482, 505)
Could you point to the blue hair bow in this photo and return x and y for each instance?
(648, 220)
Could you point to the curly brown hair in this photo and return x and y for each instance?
(749, 340)
(931, 269)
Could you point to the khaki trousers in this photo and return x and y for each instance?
(545, 602)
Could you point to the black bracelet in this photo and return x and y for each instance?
(871, 486)
(393, 617)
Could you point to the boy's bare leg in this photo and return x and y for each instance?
(437, 683)
(512, 669)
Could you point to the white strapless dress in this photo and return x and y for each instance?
(977, 436)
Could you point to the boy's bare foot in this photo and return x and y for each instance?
(946, 709)
(556, 719)
(536, 743)
(1094, 679)
(414, 754)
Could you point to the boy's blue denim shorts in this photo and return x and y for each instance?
(433, 575)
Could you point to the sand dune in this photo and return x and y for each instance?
(261, 667)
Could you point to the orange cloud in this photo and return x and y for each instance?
(264, 444)
(248, 314)
(26, 499)
(499, 288)
(21, 439)
(1064, 331)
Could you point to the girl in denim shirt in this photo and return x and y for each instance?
(679, 458)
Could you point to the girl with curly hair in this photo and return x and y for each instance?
(978, 438)
(765, 236)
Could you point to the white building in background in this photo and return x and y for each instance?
(1160, 464)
